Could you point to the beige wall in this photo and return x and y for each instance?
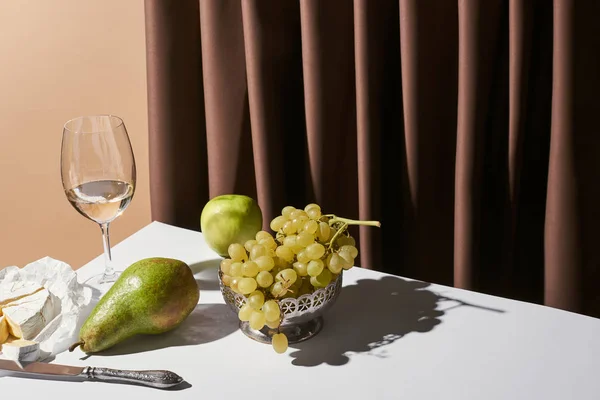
(60, 59)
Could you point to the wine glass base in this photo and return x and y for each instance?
(101, 283)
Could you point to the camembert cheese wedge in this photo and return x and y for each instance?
(28, 315)
(21, 350)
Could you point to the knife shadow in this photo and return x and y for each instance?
(207, 323)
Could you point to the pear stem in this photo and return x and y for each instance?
(74, 345)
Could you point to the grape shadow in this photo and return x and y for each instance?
(368, 315)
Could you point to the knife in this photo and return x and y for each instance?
(154, 378)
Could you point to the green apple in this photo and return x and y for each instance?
(230, 218)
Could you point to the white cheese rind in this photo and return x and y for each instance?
(27, 316)
(18, 291)
(21, 350)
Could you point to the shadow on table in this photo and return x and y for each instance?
(207, 323)
(369, 315)
(205, 273)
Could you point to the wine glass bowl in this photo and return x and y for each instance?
(98, 176)
(101, 201)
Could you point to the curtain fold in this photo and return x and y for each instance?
(230, 167)
(265, 39)
(328, 73)
(176, 116)
(467, 127)
(562, 230)
(374, 99)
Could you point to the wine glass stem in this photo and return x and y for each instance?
(108, 267)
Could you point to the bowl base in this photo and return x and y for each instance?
(294, 332)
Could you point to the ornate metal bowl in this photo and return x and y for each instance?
(302, 316)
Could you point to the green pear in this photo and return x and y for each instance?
(230, 218)
(151, 296)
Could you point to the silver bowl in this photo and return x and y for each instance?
(302, 316)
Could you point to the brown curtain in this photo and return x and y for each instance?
(468, 127)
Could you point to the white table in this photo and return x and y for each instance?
(436, 348)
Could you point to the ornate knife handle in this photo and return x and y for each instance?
(154, 378)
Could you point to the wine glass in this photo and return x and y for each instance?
(98, 176)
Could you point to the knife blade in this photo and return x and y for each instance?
(161, 379)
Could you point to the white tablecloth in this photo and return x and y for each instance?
(386, 338)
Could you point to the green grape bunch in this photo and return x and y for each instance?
(308, 252)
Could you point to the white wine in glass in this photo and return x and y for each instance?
(98, 176)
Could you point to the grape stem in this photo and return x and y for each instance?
(337, 233)
(345, 222)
